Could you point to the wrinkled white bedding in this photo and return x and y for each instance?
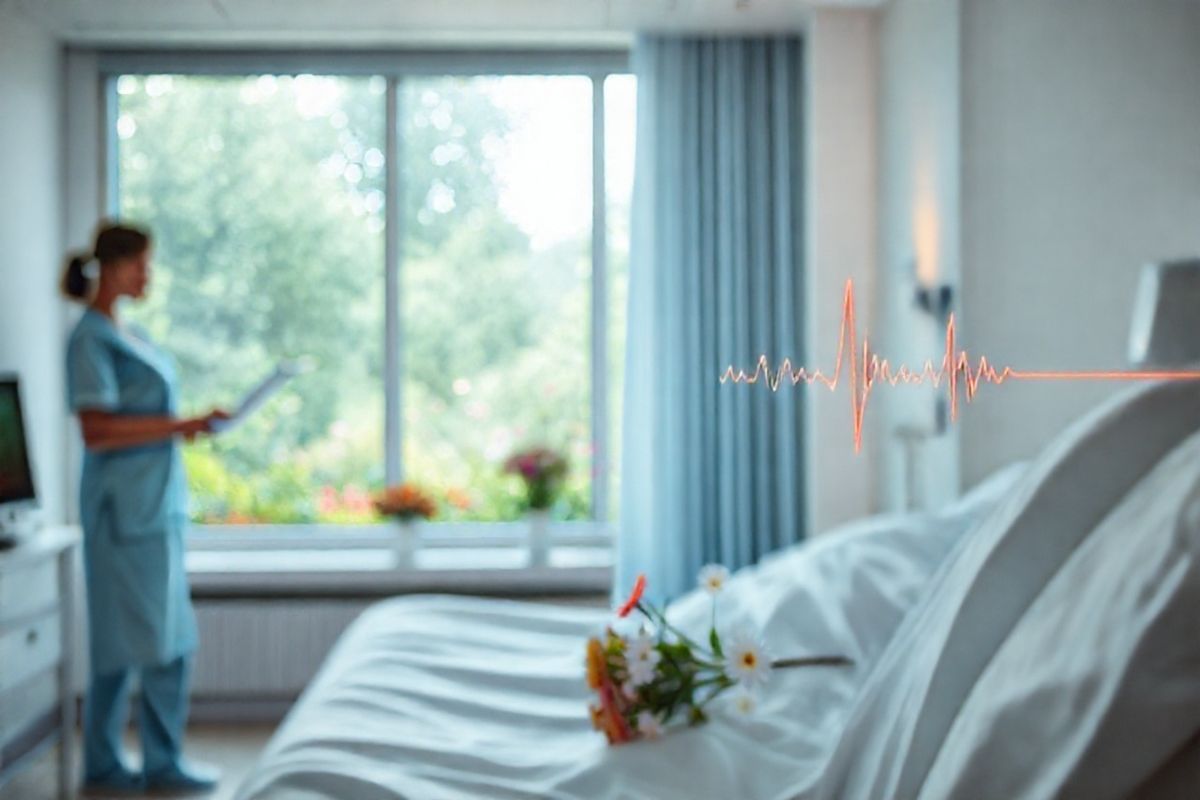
(1102, 670)
(444, 697)
(1074, 556)
(1051, 652)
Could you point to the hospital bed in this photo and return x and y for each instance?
(1039, 638)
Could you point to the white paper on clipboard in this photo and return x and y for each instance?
(283, 372)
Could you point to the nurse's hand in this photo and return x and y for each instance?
(213, 416)
(192, 427)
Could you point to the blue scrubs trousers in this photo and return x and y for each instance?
(164, 707)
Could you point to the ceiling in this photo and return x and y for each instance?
(414, 22)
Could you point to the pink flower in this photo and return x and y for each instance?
(327, 500)
(356, 499)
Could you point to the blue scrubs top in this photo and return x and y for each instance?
(133, 503)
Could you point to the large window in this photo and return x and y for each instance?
(428, 240)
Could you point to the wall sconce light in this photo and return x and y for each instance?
(937, 300)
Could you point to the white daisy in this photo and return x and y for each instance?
(648, 725)
(629, 690)
(641, 658)
(713, 578)
(640, 672)
(641, 647)
(744, 702)
(746, 660)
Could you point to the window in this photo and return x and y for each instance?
(427, 239)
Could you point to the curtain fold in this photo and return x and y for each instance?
(711, 472)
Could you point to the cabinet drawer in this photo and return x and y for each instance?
(28, 590)
(29, 649)
(22, 705)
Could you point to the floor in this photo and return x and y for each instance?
(233, 749)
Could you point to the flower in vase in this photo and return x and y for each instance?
(405, 502)
(542, 470)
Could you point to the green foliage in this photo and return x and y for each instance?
(265, 196)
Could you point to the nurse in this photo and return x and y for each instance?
(133, 506)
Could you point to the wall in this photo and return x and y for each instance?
(30, 216)
(919, 180)
(842, 81)
(1081, 161)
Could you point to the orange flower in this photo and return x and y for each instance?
(639, 588)
(597, 669)
(608, 718)
(405, 501)
(616, 727)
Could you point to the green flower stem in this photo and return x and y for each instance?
(812, 661)
(655, 614)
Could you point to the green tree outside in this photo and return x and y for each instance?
(266, 198)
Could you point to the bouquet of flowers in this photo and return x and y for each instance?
(405, 502)
(543, 471)
(643, 682)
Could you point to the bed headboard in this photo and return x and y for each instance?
(1166, 315)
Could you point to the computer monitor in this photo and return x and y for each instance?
(16, 476)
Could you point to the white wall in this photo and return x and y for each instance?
(30, 216)
(919, 182)
(1081, 160)
(842, 81)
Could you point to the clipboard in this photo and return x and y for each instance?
(283, 372)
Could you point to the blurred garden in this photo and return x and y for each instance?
(266, 196)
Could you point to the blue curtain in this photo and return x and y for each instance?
(711, 472)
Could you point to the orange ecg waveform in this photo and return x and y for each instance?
(954, 370)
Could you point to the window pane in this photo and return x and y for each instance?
(496, 284)
(265, 196)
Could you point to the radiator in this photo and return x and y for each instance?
(254, 650)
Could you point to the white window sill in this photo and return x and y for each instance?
(431, 534)
(361, 561)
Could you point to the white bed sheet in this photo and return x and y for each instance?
(442, 697)
(904, 714)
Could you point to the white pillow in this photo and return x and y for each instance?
(1099, 683)
(908, 703)
(844, 592)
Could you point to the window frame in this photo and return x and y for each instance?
(395, 66)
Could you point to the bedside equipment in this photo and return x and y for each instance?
(37, 649)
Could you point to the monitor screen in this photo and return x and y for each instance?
(16, 480)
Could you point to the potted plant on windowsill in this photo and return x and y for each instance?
(405, 503)
(542, 471)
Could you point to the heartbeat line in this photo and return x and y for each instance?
(955, 370)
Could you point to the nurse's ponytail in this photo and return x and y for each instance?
(113, 243)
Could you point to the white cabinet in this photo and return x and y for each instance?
(37, 649)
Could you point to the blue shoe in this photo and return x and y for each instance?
(183, 780)
(120, 782)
